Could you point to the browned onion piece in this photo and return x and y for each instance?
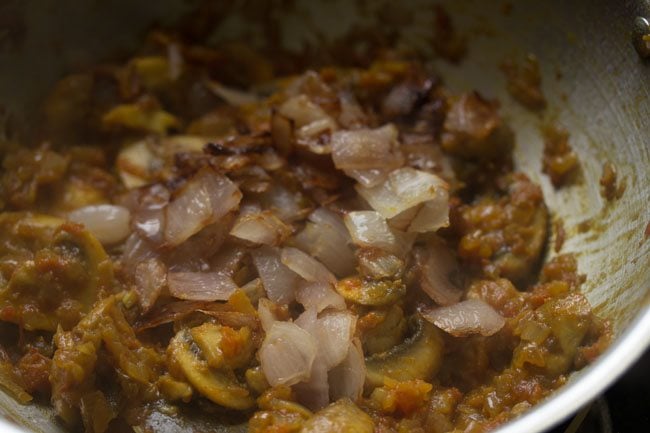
(307, 267)
(439, 272)
(203, 200)
(200, 286)
(279, 281)
(406, 188)
(287, 354)
(347, 378)
(466, 318)
(261, 228)
(169, 313)
(367, 155)
(310, 122)
(150, 278)
(369, 229)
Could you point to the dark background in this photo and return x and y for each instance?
(624, 408)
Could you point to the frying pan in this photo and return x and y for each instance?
(596, 82)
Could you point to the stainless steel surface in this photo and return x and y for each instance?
(597, 86)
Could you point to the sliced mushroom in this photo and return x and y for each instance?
(384, 329)
(418, 357)
(371, 292)
(218, 385)
(52, 271)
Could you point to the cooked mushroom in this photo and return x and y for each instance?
(52, 271)
(187, 355)
(384, 329)
(371, 292)
(418, 357)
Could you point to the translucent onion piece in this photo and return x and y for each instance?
(137, 250)
(307, 267)
(334, 332)
(363, 149)
(326, 238)
(347, 378)
(369, 229)
(265, 310)
(406, 188)
(466, 318)
(319, 296)
(150, 279)
(261, 228)
(200, 286)
(314, 392)
(108, 223)
(367, 155)
(279, 281)
(302, 111)
(439, 272)
(287, 354)
(203, 200)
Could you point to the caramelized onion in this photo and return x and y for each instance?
(260, 228)
(204, 199)
(367, 155)
(200, 286)
(439, 272)
(150, 278)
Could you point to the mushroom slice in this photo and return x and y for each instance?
(52, 271)
(219, 386)
(371, 292)
(418, 357)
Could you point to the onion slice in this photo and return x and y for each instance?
(107, 222)
(261, 228)
(319, 296)
(203, 200)
(406, 188)
(347, 378)
(439, 272)
(307, 267)
(369, 229)
(287, 354)
(367, 155)
(200, 286)
(150, 279)
(326, 238)
(279, 281)
(466, 318)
